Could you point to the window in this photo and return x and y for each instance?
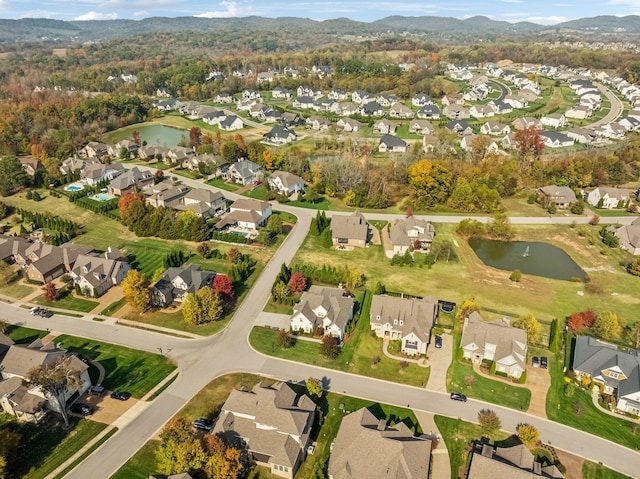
(395, 321)
(401, 322)
(378, 317)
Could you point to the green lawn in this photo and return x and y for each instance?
(258, 193)
(580, 413)
(126, 369)
(591, 470)
(113, 307)
(223, 185)
(68, 301)
(22, 335)
(86, 454)
(321, 204)
(141, 465)
(17, 289)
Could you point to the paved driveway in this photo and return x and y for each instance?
(538, 382)
(439, 360)
(107, 410)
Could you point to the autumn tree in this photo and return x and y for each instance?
(281, 292)
(202, 307)
(528, 434)
(607, 326)
(500, 227)
(578, 321)
(531, 325)
(135, 288)
(330, 347)
(223, 461)
(195, 137)
(530, 140)
(51, 292)
(12, 175)
(489, 422)
(56, 378)
(179, 450)
(135, 137)
(125, 202)
(285, 340)
(468, 306)
(314, 387)
(431, 182)
(634, 267)
(298, 282)
(223, 286)
(234, 256)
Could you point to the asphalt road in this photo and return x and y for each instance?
(202, 360)
(616, 107)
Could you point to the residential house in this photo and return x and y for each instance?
(245, 172)
(481, 111)
(31, 165)
(411, 234)
(246, 214)
(453, 99)
(386, 100)
(360, 97)
(290, 120)
(285, 183)
(617, 372)
(578, 112)
(308, 91)
(421, 127)
(177, 282)
(45, 263)
(525, 122)
(30, 403)
(304, 102)
(629, 236)
(459, 126)
(554, 120)
(630, 123)
(350, 230)
(94, 149)
(95, 173)
(372, 108)
(223, 98)
(153, 152)
(430, 143)
(272, 423)
(178, 155)
(130, 181)
(429, 112)
(280, 135)
(501, 107)
(336, 94)
(495, 341)
(280, 93)
(509, 141)
(608, 198)
(204, 203)
(398, 110)
(349, 125)
(95, 275)
(13, 247)
(384, 127)
(349, 108)
(366, 447)
(581, 135)
(251, 95)
(516, 101)
(562, 196)
(556, 139)
(231, 123)
(409, 320)
(495, 128)
(456, 111)
(328, 309)
(514, 462)
(318, 123)
(421, 99)
(392, 144)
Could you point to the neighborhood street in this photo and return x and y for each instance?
(201, 360)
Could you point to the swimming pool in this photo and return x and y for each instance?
(74, 188)
(241, 233)
(102, 197)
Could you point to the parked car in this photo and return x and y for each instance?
(96, 391)
(535, 362)
(45, 313)
(202, 423)
(543, 362)
(35, 311)
(438, 342)
(81, 409)
(458, 397)
(312, 448)
(120, 395)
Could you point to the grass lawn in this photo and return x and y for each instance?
(273, 307)
(186, 173)
(321, 204)
(17, 289)
(580, 413)
(126, 369)
(86, 454)
(22, 335)
(591, 470)
(458, 435)
(141, 465)
(258, 193)
(68, 300)
(356, 356)
(223, 185)
(113, 307)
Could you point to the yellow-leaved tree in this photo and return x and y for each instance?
(135, 288)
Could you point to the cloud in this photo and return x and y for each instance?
(511, 1)
(231, 9)
(550, 20)
(37, 14)
(4, 4)
(140, 13)
(96, 16)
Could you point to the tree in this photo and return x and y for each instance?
(298, 282)
(210, 303)
(56, 378)
(204, 248)
(554, 336)
(578, 321)
(595, 219)
(195, 137)
(285, 341)
(126, 201)
(314, 387)
(634, 267)
(607, 326)
(325, 238)
(470, 228)
(6, 273)
(281, 292)
(51, 292)
(530, 324)
(431, 182)
(528, 434)
(12, 175)
(10, 441)
(529, 140)
(489, 422)
(468, 306)
(192, 313)
(135, 288)
(223, 286)
(330, 347)
(516, 276)
(500, 227)
(632, 335)
(179, 450)
(224, 461)
(234, 256)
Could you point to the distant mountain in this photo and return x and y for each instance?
(440, 27)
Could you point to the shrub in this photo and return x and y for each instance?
(523, 377)
(516, 276)
(492, 369)
(569, 390)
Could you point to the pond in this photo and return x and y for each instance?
(535, 258)
(154, 135)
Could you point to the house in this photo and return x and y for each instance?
(308, 91)
(31, 165)
(398, 110)
(231, 123)
(280, 135)
(223, 98)
(525, 122)
(456, 111)
(285, 183)
(280, 93)
(616, 372)
(409, 320)
(384, 127)
(95, 275)
(411, 234)
(360, 97)
(481, 111)
(516, 101)
(421, 99)
(246, 214)
(304, 102)
(372, 108)
(421, 127)
(495, 341)
(608, 198)
(272, 423)
(336, 94)
(94, 149)
(556, 139)
(629, 236)
(95, 173)
(251, 95)
(581, 135)
(204, 203)
(578, 112)
(386, 100)
(514, 462)
(349, 125)
(130, 181)
(350, 230)
(328, 309)
(366, 447)
(501, 107)
(429, 112)
(509, 141)
(318, 123)
(554, 120)
(459, 126)
(30, 404)
(349, 108)
(453, 99)
(44, 263)
(393, 144)
(290, 120)
(562, 196)
(495, 128)
(176, 283)
(245, 172)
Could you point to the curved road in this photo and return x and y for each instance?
(616, 107)
(201, 360)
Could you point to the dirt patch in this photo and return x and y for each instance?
(572, 463)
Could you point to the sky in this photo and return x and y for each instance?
(545, 12)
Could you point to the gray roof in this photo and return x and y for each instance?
(20, 359)
(287, 179)
(353, 226)
(629, 234)
(559, 193)
(192, 275)
(416, 315)
(366, 447)
(401, 228)
(514, 462)
(339, 308)
(130, 178)
(393, 141)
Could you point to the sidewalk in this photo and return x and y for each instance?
(595, 393)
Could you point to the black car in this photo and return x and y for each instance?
(45, 313)
(438, 342)
(81, 409)
(203, 423)
(120, 395)
(543, 362)
(458, 397)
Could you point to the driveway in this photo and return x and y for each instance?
(107, 410)
(274, 320)
(439, 360)
(538, 382)
(440, 465)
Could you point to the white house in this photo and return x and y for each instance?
(608, 198)
(285, 183)
(246, 214)
(554, 120)
(326, 308)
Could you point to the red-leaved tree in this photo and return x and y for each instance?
(578, 321)
(223, 286)
(51, 293)
(125, 202)
(297, 282)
